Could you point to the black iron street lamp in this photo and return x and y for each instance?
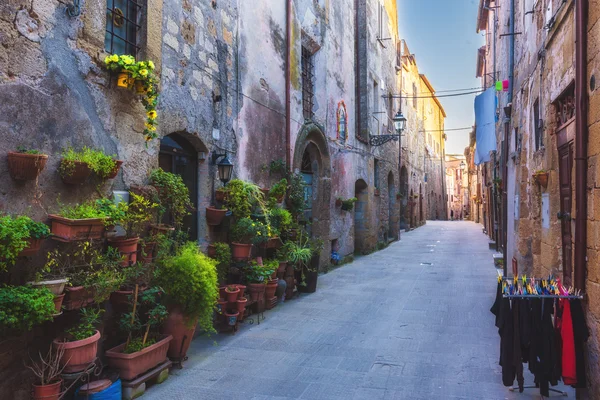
(225, 167)
(399, 125)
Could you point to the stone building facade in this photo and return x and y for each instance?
(457, 185)
(542, 128)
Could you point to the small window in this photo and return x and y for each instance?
(537, 128)
(376, 174)
(123, 22)
(414, 95)
(307, 83)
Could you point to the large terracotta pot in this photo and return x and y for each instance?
(78, 354)
(182, 330)
(47, 392)
(232, 296)
(128, 248)
(242, 290)
(66, 230)
(58, 300)
(79, 173)
(270, 289)
(241, 251)
(134, 364)
(26, 167)
(214, 216)
(32, 248)
(257, 291)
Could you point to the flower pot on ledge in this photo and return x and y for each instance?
(542, 179)
(241, 251)
(115, 171)
(26, 167)
(78, 354)
(127, 247)
(77, 173)
(214, 216)
(67, 230)
(135, 364)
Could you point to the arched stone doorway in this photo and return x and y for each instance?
(179, 155)
(392, 232)
(312, 161)
(404, 198)
(361, 211)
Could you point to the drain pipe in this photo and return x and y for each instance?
(581, 129)
(288, 68)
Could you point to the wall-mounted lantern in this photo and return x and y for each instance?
(225, 167)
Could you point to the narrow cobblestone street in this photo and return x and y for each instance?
(409, 322)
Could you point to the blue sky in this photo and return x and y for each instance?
(441, 35)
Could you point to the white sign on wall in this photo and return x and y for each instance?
(545, 211)
(516, 207)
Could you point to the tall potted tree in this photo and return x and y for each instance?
(174, 196)
(189, 279)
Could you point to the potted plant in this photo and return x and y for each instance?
(144, 348)
(281, 220)
(47, 372)
(241, 307)
(221, 194)
(243, 197)
(19, 236)
(232, 317)
(257, 277)
(232, 293)
(136, 275)
(139, 76)
(189, 279)
(541, 177)
(26, 164)
(271, 286)
(214, 216)
(278, 190)
(244, 234)
(338, 202)
(76, 166)
(22, 308)
(295, 199)
(348, 205)
(173, 195)
(80, 344)
(133, 218)
(81, 221)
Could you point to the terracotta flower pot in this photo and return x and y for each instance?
(78, 297)
(128, 248)
(241, 307)
(32, 248)
(163, 229)
(56, 286)
(257, 291)
(541, 179)
(211, 251)
(280, 273)
(232, 318)
(67, 230)
(134, 364)
(47, 392)
(241, 251)
(272, 243)
(182, 329)
(270, 289)
(78, 354)
(232, 296)
(214, 216)
(242, 290)
(221, 196)
(77, 173)
(115, 171)
(58, 300)
(222, 292)
(26, 167)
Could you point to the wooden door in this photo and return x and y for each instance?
(565, 162)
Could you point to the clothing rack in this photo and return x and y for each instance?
(541, 296)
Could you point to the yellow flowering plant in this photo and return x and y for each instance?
(143, 73)
(248, 231)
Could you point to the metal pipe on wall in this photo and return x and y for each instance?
(581, 129)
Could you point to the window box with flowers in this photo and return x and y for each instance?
(138, 76)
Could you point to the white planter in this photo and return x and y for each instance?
(57, 286)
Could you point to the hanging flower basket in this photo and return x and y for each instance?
(541, 178)
(115, 171)
(124, 80)
(78, 173)
(23, 166)
(214, 216)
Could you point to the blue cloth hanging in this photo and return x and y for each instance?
(485, 121)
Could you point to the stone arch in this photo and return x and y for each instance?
(361, 212)
(312, 160)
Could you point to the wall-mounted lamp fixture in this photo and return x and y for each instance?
(73, 10)
(225, 167)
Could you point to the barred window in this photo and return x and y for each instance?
(307, 83)
(123, 22)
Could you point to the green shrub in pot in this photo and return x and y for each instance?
(22, 308)
(15, 233)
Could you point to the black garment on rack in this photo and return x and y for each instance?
(580, 335)
(510, 345)
(543, 357)
(496, 306)
(525, 324)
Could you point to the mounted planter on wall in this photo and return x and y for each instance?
(214, 216)
(25, 166)
(541, 177)
(67, 230)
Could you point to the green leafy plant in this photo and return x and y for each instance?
(258, 273)
(14, 235)
(133, 216)
(25, 150)
(243, 197)
(348, 204)
(278, 190)
(189, 279)
(223, 257)
(142, 71)
(101, 164)
(248, 231)
(296, 201)
(138, 327)
(281, 220)
(86, 327)
(174, 196)
(23, 307)
(277, 166)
